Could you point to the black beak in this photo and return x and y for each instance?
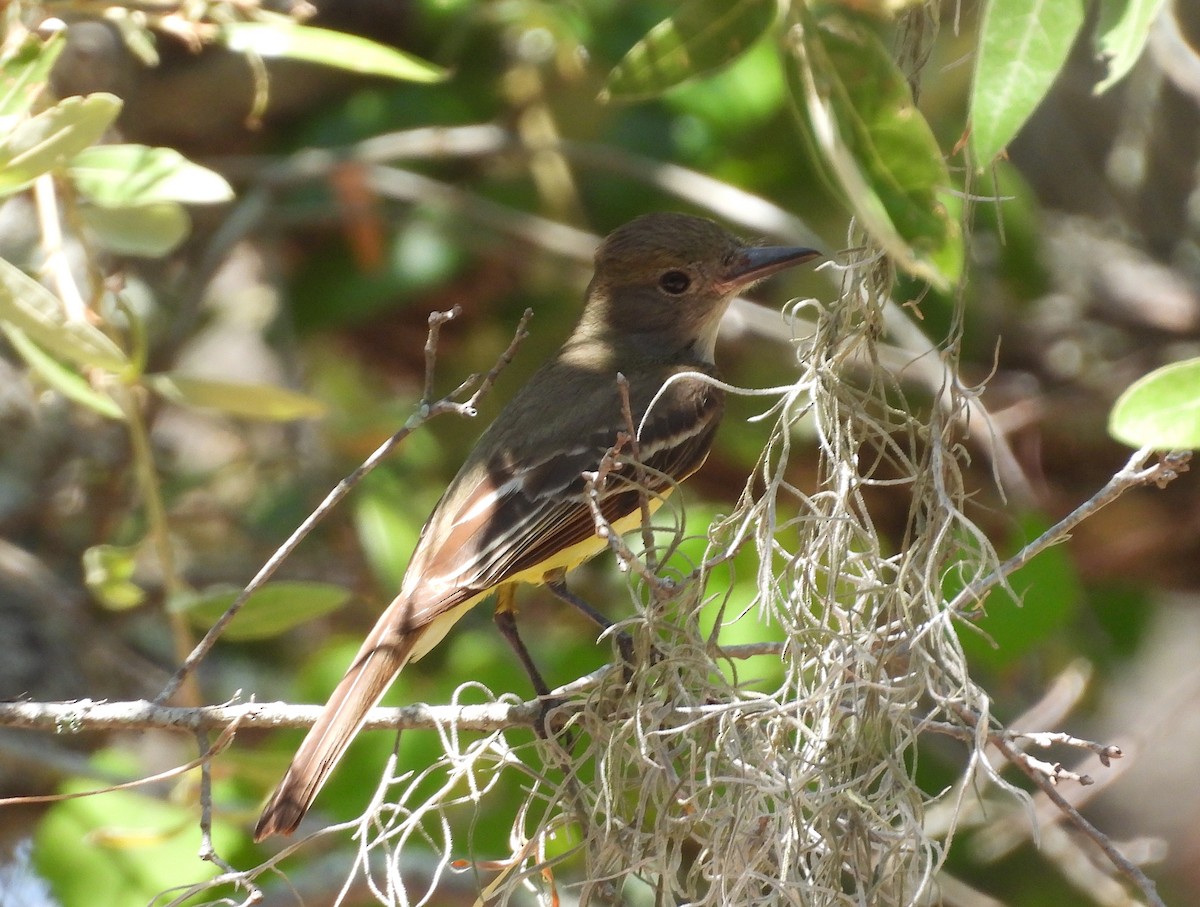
(753, 264)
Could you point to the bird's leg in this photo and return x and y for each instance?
(555, 581)
(505, 617)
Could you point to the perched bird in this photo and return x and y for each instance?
(516, 511)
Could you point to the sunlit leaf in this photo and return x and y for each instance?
(1122, 34)
(878, 149)
(108, 573)
(147, 231)
(250, 401)
(53, 137)
(67, 382)
(272, 610)
(123, 176)
(329, 48)
(1161, 409)
(1023, 45)
(29, 306)
(701, 36)
(23, 76)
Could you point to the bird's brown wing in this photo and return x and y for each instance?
(521, 514)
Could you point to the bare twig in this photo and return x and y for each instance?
(425, 412)
(594, 485)
(1123, 864)
(1106, 752)
(1134, 474)
(635, 452)
(57, 264)
(1046, 776)
(228, 730)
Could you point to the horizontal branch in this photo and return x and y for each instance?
(94, 715)
(88, 715)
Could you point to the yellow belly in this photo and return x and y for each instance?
(567, 559)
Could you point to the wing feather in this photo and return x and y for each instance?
(518, 511)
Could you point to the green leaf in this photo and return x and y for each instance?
(1023, 46)
(108, 573)
(272, 610)
(145, 231)
(53, 137)
(859, 117)
(29, 306)
(250, 401)
(329, 48)
(1161, 409)
(69, 383)
(124, 176)
(703, 35)
(23, 76)
(1121, 36)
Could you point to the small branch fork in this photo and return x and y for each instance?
(426, 411)
(595, 485)
(1047, 776)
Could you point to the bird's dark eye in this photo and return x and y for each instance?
(674, 282)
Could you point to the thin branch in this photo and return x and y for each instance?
(1123, 864)
(1046, 776)
(425, 412)
(89, 716)
(635, 451)
(1134, 474)
(86, 715)
(1106, 752)
(207, 754)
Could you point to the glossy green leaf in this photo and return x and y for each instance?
(1161, 409)
(108, 573)
(703, 35)
(272, 610)
(249, 401)
(329, 48)
(29, 306)
(123, 176)
(878, 150)
(53, 137)
(23, 76)
(1023, 45)
(146, 231)
(1122, 34)
(67, 382)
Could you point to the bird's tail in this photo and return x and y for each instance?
(385, 651)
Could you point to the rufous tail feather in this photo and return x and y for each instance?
(378, 662)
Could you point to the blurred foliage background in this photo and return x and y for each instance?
(361, 204)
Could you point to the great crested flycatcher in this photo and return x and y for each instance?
(516, 511)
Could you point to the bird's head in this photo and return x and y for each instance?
(666, 279)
